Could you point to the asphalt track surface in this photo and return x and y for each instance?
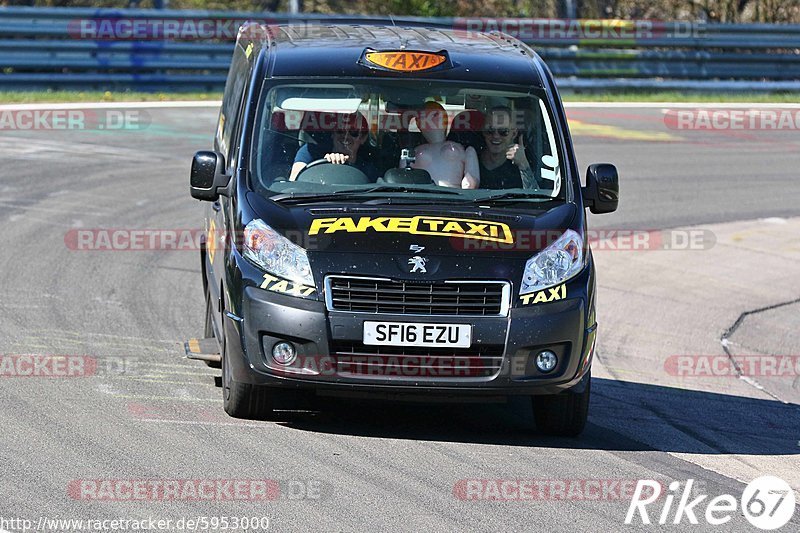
(150, 414)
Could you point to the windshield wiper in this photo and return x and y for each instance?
(300, 198)
(401, 188)
(514, 196)
(350, 194)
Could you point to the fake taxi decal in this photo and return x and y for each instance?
(404, 60)
(271, 283)
(547, 295)
(418, 225)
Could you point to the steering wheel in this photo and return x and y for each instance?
(315, 163)
(338, 175)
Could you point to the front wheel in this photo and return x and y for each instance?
(563, 414)
(243, 400)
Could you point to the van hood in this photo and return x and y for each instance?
(407, 230)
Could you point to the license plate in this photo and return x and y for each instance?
(417, 334)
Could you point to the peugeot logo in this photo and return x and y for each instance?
(417, 264)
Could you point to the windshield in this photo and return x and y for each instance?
(404, 140)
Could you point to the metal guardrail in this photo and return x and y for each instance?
(45, 48)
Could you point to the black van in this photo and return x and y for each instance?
(396, 213)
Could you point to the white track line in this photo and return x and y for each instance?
(633, 105)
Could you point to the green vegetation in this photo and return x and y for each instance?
(707, 10)
(31, 97)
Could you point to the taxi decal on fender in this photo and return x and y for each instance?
(211, 241)
(417, 225)
(271, 283)
(547, 295)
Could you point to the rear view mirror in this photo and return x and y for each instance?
(407, 176)
(208, 179)
(601, 193)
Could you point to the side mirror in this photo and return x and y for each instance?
(208, 179)
(601, 193)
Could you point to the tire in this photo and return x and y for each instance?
(208, 331)
(243, 400)
(563, 414)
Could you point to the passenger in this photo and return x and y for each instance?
(503, 163)
(345, 142)
(448, 163)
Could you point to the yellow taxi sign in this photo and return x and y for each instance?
(405, 60)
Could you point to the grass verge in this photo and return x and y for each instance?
(40, 97)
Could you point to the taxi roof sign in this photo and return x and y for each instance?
(405, 60)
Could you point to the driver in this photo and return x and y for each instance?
(342, 148)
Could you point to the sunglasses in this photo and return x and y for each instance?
(352, 133)
(503, 132)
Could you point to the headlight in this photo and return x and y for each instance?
(276, 254)
(555, 264)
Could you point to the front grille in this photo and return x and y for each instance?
(368, 295)
(355, 359)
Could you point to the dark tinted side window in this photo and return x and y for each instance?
(232, 104)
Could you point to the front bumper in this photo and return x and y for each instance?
(566, 327)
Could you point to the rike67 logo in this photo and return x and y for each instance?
(767, 502)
